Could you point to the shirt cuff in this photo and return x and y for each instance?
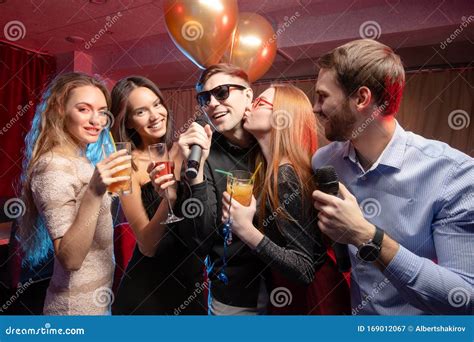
(404, 267)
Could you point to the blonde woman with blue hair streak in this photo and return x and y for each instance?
(64, 184)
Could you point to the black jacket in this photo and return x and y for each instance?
(203, 233)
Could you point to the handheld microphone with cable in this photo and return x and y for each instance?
(328, 182)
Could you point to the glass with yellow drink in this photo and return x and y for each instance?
(122, 187)
(240, 186)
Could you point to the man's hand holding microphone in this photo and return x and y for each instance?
(194, 146)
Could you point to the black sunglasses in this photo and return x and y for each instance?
(220, 93)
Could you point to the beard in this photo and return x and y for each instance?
(340, 123)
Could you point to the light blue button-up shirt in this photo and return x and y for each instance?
(421, 193)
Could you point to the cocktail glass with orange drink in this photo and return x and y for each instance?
(240, 186)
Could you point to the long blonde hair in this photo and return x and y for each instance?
(47, 132)
(293, 137)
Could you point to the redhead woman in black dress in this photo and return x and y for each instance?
(284, 235)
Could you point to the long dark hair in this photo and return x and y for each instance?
(121, 111)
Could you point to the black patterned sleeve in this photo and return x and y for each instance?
(292, 245)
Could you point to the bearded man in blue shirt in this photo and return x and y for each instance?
(405, 204)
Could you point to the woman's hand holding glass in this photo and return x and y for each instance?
(159, 156)
(163, 182)
(241, 216)
(105, 170)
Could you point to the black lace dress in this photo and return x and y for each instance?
(170, 283)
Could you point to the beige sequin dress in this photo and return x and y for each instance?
(58, 184)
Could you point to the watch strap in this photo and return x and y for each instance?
(378, 237)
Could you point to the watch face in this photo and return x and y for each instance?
(369, 253)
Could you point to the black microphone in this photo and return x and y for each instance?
(328, 182)
(192, 168)
(194, 160)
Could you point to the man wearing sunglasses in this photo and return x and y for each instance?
(235, 273)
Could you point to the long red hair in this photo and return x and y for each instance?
(293, 137)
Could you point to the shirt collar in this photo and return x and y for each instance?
(391, 156)
(394, 152)
(349, 151)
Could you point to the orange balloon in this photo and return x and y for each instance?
(201, 29)
(254, 45)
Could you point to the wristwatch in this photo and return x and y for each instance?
(370, 251)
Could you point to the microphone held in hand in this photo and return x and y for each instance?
(194, 160)
(328, 182)
(193, 164)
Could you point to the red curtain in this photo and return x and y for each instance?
(23, 75)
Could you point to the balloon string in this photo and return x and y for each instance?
(232, 44)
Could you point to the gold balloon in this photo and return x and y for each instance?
(201, 29)
(254, 45)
